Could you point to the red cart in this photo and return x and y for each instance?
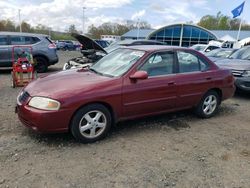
(23, 67)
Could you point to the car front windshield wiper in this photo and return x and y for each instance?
(97, 72)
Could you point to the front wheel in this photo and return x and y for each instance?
(208, 105)
(91, 123)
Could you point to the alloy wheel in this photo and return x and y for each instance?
(92, 124)
(209, 105)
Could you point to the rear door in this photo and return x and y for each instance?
(5, 52)
(155, 94)
(193, 78)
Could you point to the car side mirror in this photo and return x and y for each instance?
(139, 75)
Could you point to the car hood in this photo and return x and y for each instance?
(234, 64)
(88, 43)
(66, 83)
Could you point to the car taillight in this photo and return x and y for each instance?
(52, 46)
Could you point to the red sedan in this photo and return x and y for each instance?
(125, 84)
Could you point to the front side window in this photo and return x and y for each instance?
(159, 64)
(117, 62)
(190, 63)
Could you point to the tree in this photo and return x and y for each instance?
(115, 28)
(25, 27)
(72, 29)
(221, 22)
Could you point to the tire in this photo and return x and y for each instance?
(41, 64)
(208, 105)
(91, 123)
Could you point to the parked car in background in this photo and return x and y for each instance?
(43, 49)
(102, 43)
(220, 53)
(92, 51)
(239, 63)
(204, 47)
(65, 45)
(128, 83)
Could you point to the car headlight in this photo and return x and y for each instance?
(246, 73)
(44, 103)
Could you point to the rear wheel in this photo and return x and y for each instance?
(91, 123)
(41, 64)
(208, 105)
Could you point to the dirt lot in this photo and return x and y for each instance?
(171, 150)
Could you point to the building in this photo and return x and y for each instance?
(184, 34)
(110, 38)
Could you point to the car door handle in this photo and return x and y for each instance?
(208, 78)
(171, 83)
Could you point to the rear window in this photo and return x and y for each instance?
(3, 40)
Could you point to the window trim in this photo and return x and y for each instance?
(160, 51)
(199, 60)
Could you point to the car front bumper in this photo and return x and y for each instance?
(44, 121)
(243, 83)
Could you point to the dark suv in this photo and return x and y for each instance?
(43, 49)
(65, 45)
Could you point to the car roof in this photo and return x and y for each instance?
(130, 41)
(200, 45)
(22, 34)
(149, 48)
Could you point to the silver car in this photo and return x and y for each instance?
(43, 49)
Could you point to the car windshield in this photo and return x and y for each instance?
(198, 47)
(219, 53)
(117, 62)
(243, 53)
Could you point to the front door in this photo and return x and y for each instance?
(155, 94)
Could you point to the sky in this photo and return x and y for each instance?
(60, 14)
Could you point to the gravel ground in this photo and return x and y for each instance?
(171, 150)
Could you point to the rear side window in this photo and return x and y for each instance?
(3, 40)
(34, 40)
(190, 63)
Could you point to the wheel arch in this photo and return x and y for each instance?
(218, 91)
(42, 56)
(105, 104)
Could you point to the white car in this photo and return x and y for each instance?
(204, 47)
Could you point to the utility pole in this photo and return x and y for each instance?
(50, 32)
(138, 28)
(83, 19)
(19, 16)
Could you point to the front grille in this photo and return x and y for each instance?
(237, 73)
(23, 97)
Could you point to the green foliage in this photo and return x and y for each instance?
(115, 28)
(221, 22)
(8, 25)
